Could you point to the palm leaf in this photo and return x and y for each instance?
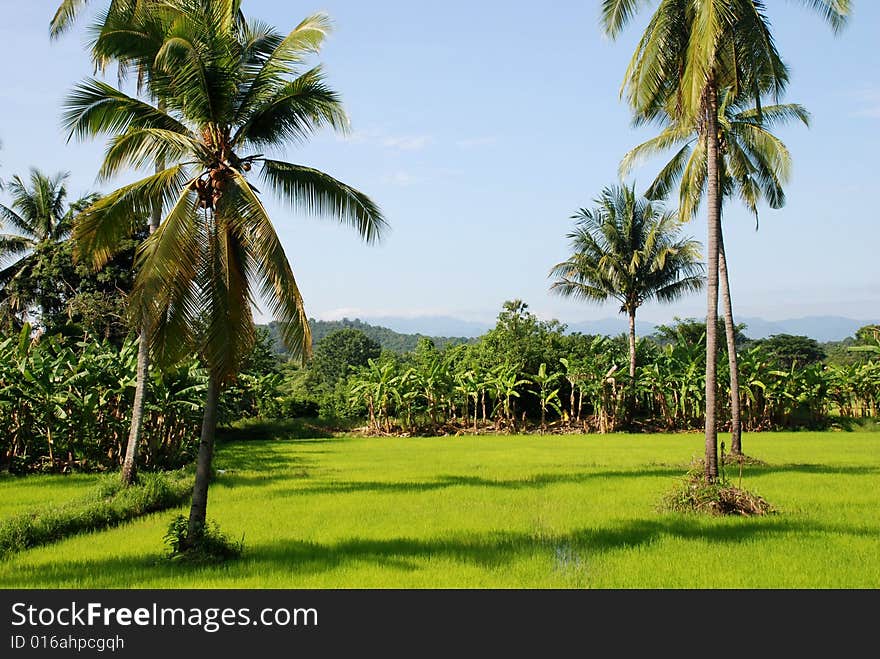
(316, 192)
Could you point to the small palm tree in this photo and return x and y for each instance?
(754, 167)
(38, 216)
(628, 249)
(231, 93)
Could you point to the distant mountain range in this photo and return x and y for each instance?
(821, 328)
(400, 342)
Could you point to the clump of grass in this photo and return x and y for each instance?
(110, 504)
(694, 494)
(210, 546)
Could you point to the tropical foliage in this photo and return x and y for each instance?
(628, 249)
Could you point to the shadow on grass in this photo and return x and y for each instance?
(485, 551)
(733, 470)
(442, 482)
(261, 462)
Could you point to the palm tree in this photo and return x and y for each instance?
(628, 249)
(231, 92)
(755, 165)
(130, 32)
(689, 51)
(39, 217)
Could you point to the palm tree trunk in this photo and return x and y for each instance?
(631, 402)
(730, 329)
(129, 465)
(714, 222)
(199, 510)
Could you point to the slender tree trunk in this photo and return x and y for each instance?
(714, 222)
(631, 395)
(730, 329)
(199, 509)
(129, 465)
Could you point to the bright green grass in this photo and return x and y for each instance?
(501, 512)
(21, 494)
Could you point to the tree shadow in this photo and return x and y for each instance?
(481, 550)
(843, 470)
(447, 481)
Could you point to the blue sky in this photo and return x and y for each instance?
(481, 127)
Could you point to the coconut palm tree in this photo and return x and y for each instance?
(628, 249)
(755, 165)
(231, 92)
(689, 51)
(38, 216)
(131, 32)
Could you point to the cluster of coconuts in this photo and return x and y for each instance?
(210, 187)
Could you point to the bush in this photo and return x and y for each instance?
(210, 545)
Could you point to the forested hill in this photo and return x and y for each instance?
(388, 339)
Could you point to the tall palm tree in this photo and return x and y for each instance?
(38, 216)
(628, 249)
(130, 32)
(755, 165)
(689, 51)
(232, 92)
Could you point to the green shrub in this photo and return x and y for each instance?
(210, 545)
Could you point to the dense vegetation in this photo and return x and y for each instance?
(387, 338)
(66, 404)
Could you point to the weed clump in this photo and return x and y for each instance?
(694, 494)
(210, 545)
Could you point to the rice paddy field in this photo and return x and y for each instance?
(490, 512)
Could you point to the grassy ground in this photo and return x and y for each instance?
(501, 512)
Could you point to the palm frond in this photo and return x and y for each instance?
(278, 286)
(835, 12)
(616, 14)
(140, 147)
(297, 109)
(100, 228)
(64, 17)
(94, 108)
(316, 192)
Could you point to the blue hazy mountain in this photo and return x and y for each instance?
(821, 328)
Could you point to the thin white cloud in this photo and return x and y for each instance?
(415, 143)
(386, 140)
(474, 142)
(402, 179)
(868, 102)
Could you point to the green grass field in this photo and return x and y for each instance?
(491, 512)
